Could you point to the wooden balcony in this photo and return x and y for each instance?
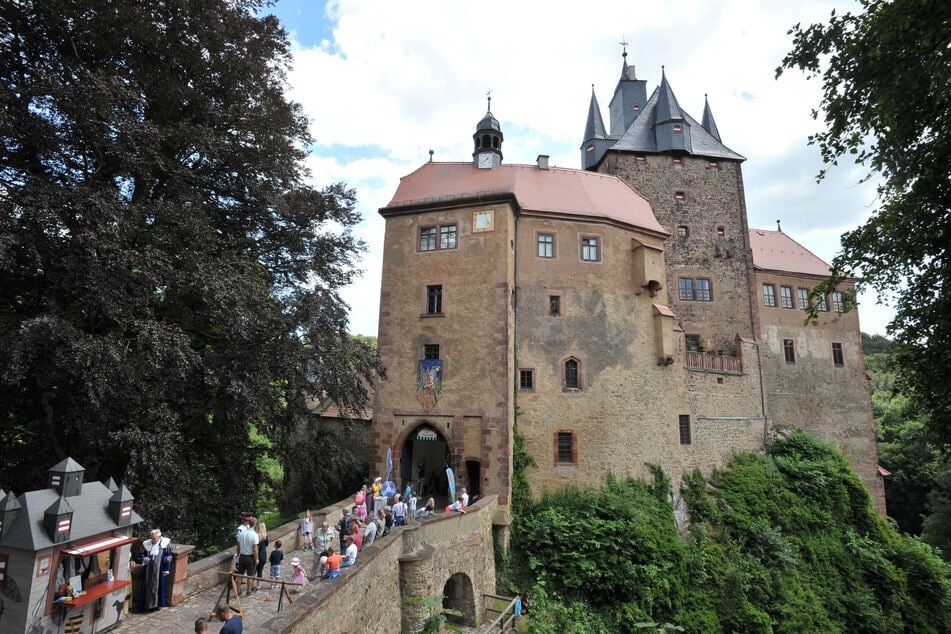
(719, 363)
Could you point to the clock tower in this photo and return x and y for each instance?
(488, 141)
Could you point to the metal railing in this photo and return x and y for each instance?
(708, 362)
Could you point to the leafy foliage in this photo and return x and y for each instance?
(782, 543)
(886, 86)
(170, 280)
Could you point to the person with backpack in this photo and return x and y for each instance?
(343, 525)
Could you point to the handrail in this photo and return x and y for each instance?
(501, 623)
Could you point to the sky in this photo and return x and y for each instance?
(383, 83)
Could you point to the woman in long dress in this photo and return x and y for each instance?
(158, 563)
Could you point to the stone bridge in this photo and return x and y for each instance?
(449, 554)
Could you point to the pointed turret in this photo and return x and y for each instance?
(9, 509)
(671, 129)
(66, 477)
(58, 520)
(594, 128)
(708, 123)
(596, 140)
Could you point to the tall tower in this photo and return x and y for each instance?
(695, 186)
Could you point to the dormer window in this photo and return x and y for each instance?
(637, 107)
(677, 128)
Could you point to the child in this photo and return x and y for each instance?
(332, 560)
(307, 530)
(300, 575)
(277, 556)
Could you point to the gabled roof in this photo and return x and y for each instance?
(776, 251)
(570, 192)
(663, 106)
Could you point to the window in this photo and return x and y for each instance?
(554, 305)
(546, 245)
(713, 165)
(431, 351)
(684, 424)
(698, 289)
(821, 304)
(566, 449)
(589, 249)
(803, 294)
(838, 304)
(447, 238)
(526, 379)
(789, 350)
(692, 342)
(721, 231)
(702, 290)
(769, 295)
(677, 128)
(640, 160)
(785, 296)
(683, 231)
(434, 300)
(571, 374)
(427, 239)
(685, 285)
(838, 360)
(677, 163)
(680, 197)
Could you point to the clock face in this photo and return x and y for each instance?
(483, 220)
(485, 160)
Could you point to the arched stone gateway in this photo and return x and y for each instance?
(457, 595)
(423, 458)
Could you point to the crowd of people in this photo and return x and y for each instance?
(371, 516)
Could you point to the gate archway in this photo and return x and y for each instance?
(423, 459)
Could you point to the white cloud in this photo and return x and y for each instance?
(400, 78)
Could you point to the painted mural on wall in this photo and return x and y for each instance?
(429, 383)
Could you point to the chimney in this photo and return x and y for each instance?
(542, 162)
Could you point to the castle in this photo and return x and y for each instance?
(619, 315)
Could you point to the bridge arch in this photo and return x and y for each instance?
(458, 595)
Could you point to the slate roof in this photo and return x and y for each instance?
(569, 192)
(594, 128)
(90, 517)
(776, 251)
(662, 106)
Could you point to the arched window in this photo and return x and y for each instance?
(485, 141)
(571, 373)
(495, 142)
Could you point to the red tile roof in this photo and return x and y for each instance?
(775, 251)
(555, 190)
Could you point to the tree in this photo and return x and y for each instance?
(886, 90)
(169, 278)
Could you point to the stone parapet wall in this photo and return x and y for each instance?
(371, 597)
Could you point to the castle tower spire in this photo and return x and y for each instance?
(629, 98)
(708, 123)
